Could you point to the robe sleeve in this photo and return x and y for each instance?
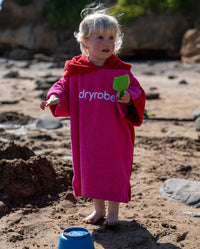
(61, 89)
(133, 113)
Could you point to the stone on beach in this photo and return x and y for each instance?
(181, 190)
(48, 122)
(152, 95)
(196, 112)
(197, 124)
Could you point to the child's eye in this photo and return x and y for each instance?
(111, 38)
(100, 37)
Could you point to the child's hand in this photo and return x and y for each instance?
(125, 98)
(53, 100)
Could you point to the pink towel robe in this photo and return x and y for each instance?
(102, 132)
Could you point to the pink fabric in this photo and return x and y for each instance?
(102, 132)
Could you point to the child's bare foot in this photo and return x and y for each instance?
(98, 213)
(93, 217)
(112, 217)
(111, 220)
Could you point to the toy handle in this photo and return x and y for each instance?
(120, 94)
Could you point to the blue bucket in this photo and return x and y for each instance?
(76, 238)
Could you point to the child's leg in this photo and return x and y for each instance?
(112, 217)
(98, 213)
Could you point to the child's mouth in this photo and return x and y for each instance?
(105, 50)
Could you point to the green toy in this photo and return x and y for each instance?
(121, 83)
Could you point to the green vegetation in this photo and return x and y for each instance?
(23, 2)
(64, 13)
(61, 14)
(133, 9)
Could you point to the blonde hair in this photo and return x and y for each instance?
(101, 22)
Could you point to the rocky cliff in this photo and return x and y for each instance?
(23, 32)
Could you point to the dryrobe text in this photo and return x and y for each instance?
(96, 95)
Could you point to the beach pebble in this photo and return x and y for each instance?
(192, 214)
(171, 76)
(45, 83)
(181, 190)
(196, 112)
(48, 122)
(11, 74)
(9, 102)
(152, 95)
(197, 124)
(183, 82)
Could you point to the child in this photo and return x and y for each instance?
(102, 127)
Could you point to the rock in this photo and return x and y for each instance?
(192, 214)
(181, 190)
(155, 35)
(190, 50)
(152, 95)
(24, 27)
(52, 79)
(148, 73)
(197, 124)
(19, 54)
(197, 23)
(150, 63)
(2, 208)
(48, 122)
(183, 82)
(153, 88)
(42, 57)
(196, 112)
(15, 118)
(171, 77)
(46, 83)
(9, 102)
(11, 74)
(41, 84)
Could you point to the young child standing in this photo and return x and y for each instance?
(102, 126)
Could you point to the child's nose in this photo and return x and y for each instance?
(106, 41)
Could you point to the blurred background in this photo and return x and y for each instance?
(154, 29)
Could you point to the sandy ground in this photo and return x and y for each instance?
(166, 146)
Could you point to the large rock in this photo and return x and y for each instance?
(181, 190)
(155, 35)
(190, 50)
(48, 122)
(24, 27)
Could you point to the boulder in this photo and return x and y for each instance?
(48, 122)
(181, 190)
(24, 27)
(155, 35)
(190, 50)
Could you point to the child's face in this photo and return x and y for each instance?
(100, 47)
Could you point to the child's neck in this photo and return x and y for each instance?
(99, 64)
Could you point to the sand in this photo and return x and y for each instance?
(39, 202)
